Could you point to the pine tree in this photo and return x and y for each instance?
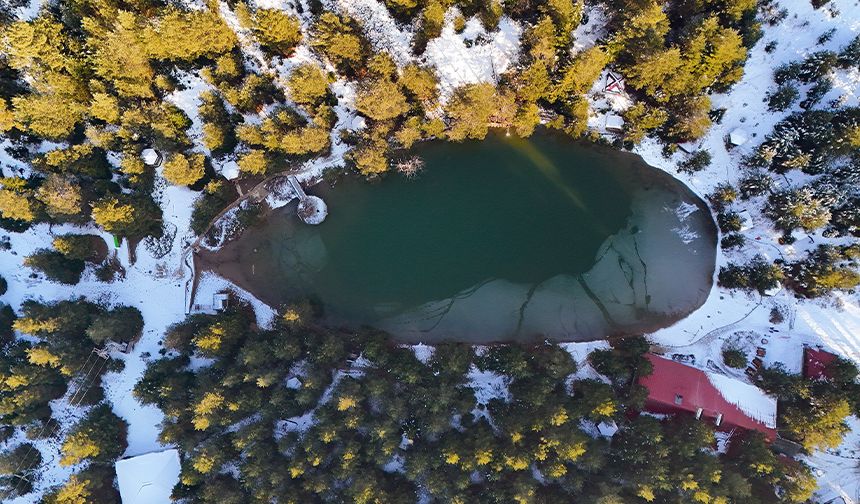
(255, 162)
(370, 159)
(127, 216)
(421, 83)
(17, 201)
(187, 35)
(308, 85)
(469, 111)
(75, 246)
(119, 54)
(100, 436)
(121, 324)
(340, 41)
(56, 266)
(381, 100)
(182, 169)
(276, 30)
(61, 196)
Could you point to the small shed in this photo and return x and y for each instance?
(738, 137)
(607, 429)
(691, 146)
(221, 301)
(148, 478)
(150, 157)
(614, 123)
(773, 291)
(746, 220)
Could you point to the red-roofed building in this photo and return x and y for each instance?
(815, 362)
(729, 403)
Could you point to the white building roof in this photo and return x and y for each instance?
(753, 401)
(738, 136)
(614, 122)
(150, 156)
(149, 478)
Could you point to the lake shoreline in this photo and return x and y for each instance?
(228, 262)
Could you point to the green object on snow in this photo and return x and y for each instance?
(116, 241)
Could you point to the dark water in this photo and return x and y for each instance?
(496, 240)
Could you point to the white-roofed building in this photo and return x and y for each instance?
(614, 123)
(738, 137)
(148, 478)
(150, 157)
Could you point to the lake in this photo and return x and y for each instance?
(505, 239)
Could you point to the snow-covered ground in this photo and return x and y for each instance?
(159, 287)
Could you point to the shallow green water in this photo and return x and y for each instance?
(495, 240)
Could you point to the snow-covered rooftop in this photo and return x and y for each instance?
(149, 478)
(748, 398)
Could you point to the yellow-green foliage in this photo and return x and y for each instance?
(74, 491)
(308, 84)
(277, 30)
(119, 54)
(370, 159)
(419, 82)
(105, 107)
(41, 356)
(61, 195)
(78, 447)
(16, 200)
(409, 133)
(639, 119)
(7, 118)
(188, 35)
(254, 162)
(822, 429)
(339, 41)
(49, 115)
(381, 100)
(182, 169)
(112, 215)
(469, 111)
(432, 18)
(580, 75)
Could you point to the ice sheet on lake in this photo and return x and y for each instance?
(644, 276)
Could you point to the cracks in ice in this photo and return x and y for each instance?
(644, 271)
(525, 304)
(597, 302)
(441, 312)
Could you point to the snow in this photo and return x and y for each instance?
(148, 479)
(380, 27)
(748, 398)
(838, 470)
(586, 35)
(490, 54)
(188, 100)
(727, 318)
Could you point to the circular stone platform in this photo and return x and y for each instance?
(312, 210)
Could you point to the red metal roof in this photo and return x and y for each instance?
(674, 387)
(815, 363)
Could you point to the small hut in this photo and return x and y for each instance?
(151, 157)
(737, 137)
(614, 123)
